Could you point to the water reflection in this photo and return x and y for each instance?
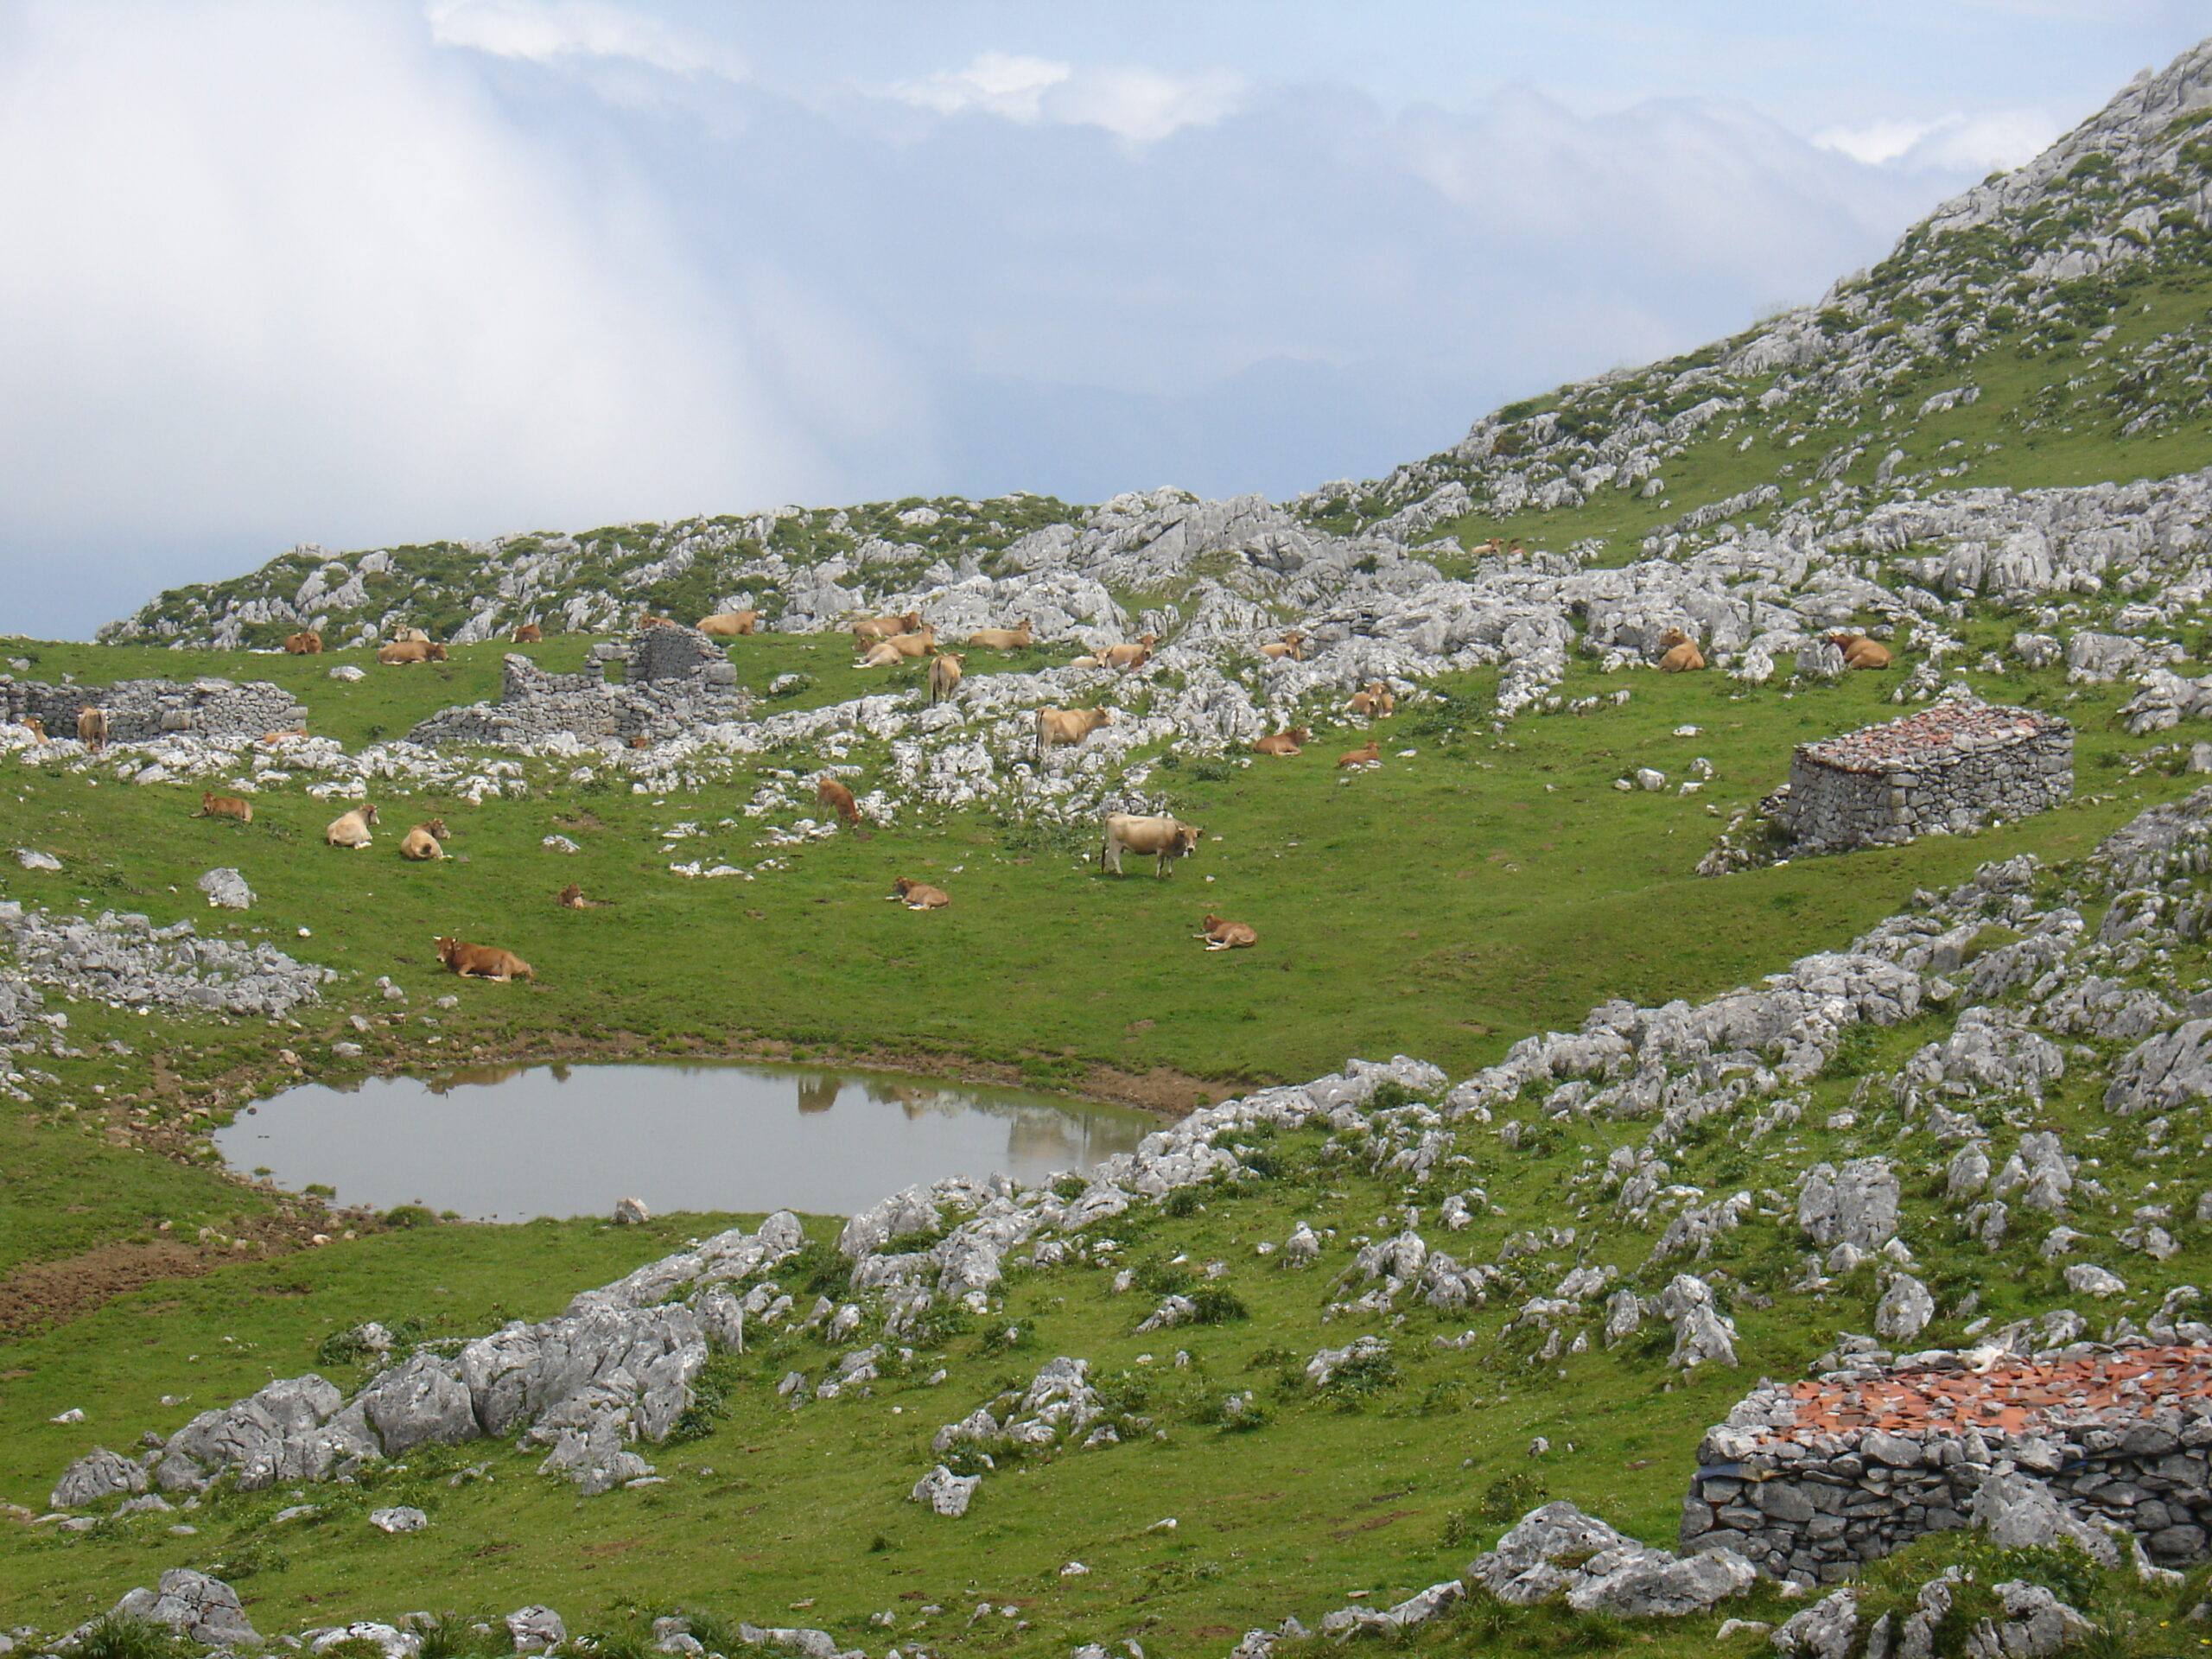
(504, 1142)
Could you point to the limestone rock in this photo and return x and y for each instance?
(226, 888)
(404, 1518)
(1856, 1204)
(534, 1629)
(100, 1473)
(1827, 1630)
(946, 1493)
(1558, 1550)
(200, 1608)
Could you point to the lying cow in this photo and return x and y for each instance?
(352, 829)
(945, 676)
(1015, 638)
(1375, 701)
(727, 624)
(483, 962)
(919, 642)
(306, 643)
(225, 806)
(529, 633)
(92, 729)
(1285, 743)
(1128, 657)
(917, 896)
(881, 654)
(1860, 652)
(1221, 935)
(572, 897)
(1165, 839)
(868, 629)
(36, 727)
(1681, 654)
(1292, 646)
(1058, 728)
(424, 842)
(402, 651)
(1368, 753)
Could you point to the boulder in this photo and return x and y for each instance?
(404, 1518)
(100, 1473)
(1827, 1630)
(226, 889)
(534, 1629)
(1558, 1550)
(946, 1493)
(195, 1606)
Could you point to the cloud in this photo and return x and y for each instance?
(1999, 139)
(1140, 105)
(549, 31)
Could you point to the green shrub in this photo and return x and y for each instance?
(1216, 1304)
(1511, 1496)
(119, 1635)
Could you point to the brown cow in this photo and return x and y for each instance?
(920, 643)
(1128, 657)
(410, 637)
(1068, 726)
(1287, 742)
(270, 740)
(92, 729)
(1376, 700)
(917, 896)
(1015, 638)
(647, 619)
(572, 897)
(1084, 662)
(869, 629)
(529, 633)
(881, 654)
(1221, 935)
(945, 676)
(225, 806)
(403, 651)
(1368, 753)
(352, 829)
(36, 727)
(727, 624)
(828, 792)
(1681, 654)
(483, 962)
(306, 643)
(1166, 839)
(1860, 652)
(422, 843)
(1292, 646)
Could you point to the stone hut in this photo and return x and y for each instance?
(1950, 767)
(139, 711)
(1808, 1479)
(667, 679)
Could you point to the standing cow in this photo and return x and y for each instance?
(1165, 839)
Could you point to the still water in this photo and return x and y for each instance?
(499, 1143)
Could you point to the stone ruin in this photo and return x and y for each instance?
(140, 711)
(1808, 1480)
(1951, 766)
(666, 680)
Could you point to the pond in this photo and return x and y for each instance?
(507, 1143)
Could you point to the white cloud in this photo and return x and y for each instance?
(548, 31)
(1131, 101)
(1999, 139)
(998, 83)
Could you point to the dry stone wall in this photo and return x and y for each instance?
(140, 711)
(672, 680)
(1945, 768)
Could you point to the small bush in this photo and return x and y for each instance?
(119, 1635)
(1216, 1304)
(1210, 769)
(408, 1215)
(1180, 1202)
(1511, 1496)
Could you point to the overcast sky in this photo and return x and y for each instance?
(357, 274)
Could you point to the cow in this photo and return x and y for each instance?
(410, 637)
(869, 629)
(36, 727)
(529, 633)
(403, 651)
(306, 643)
(270, 740)
(1860, 652)
(1682, 655)
(945, 676)
(1221, 935)
(1285, 743)
(1292, 646)
(572, 897)
(1128, 657)
(1166, 839)
(1376, 700)
(225, 806)
(919, 642)
(828, 792)
(727, 624)
(352, 829)
(1084, 662)
(1015, 638)
(647, 619)
(1068, 726)
(881, 654)
(1368, 753)
(92, 729)
(423, 842)
(483, 962)
(1489, 549)
(917, 896)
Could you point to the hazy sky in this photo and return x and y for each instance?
(363, 273)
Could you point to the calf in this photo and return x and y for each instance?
(403, 651)
(945, 676)
(423, 842)
(1221, 935)
(225, 806)
(1000, 638)
(869, 629)
(92, 729)
(529, 635)
(1860, 652)
(572, 897)
(1128, 657)
(1682, 655)
(1368, 753)
(306, 643)
(828, 792)
(1068, 726)
(727, 624)
(1292, 646)
(483, 962)
(352, 829)
(1285, 743)
(919, 642)
(1165, 839)
(1376, 700)
(915, 896)
(36, 727)
(881, 654)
